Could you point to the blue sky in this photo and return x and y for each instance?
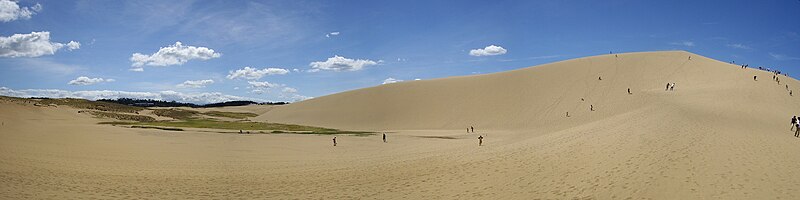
(300, 49)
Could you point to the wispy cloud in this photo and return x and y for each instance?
(776, 56)
(684, 43)
(253, 73)
(195, 84)
(332, 34)
(46, 65)
(391, 80)
(738, 46)
(530, 58)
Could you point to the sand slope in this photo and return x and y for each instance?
(535, 97)
(719, 135)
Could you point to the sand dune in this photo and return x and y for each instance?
(718, 135)
(534, 97)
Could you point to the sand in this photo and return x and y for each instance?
(718, 135)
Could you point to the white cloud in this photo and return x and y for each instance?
(10, 11)
(253, 73)
(263, 85)
(136, 69)
(339, 63)
(88, 81)
(684, 43)
(34, 44)
(490, 50)
(782, 57)
(289, 90)
(332, 34)
(738, 46)
(391, 80)
(176, 54)
(200, 98)
(72, 45)
(196, 84)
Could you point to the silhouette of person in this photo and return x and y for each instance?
(667, 88)
(755, 78)
(629, 91)
(794, 121)
(384, 138)
(672, 87)
(480, 140)
(472, 129)
(797, 130)
(334, 140)
(591, 107)
(567, 114)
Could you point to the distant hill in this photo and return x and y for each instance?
(161, 103)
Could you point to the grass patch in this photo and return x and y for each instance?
(234, 115)
(121, 116)
(246, 126)
(176, 113)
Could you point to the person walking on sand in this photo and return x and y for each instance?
(480, 140)
(334, 140)
(591, 107)
(472, 129)
(629, 91)
(672, 87)
(667, 88)
(794, 121)
(384, 138)
(797, 130)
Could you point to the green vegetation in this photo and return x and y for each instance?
(176, 113)
(120, 116)
(160, 128)
(247, 126)
(234, 115)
